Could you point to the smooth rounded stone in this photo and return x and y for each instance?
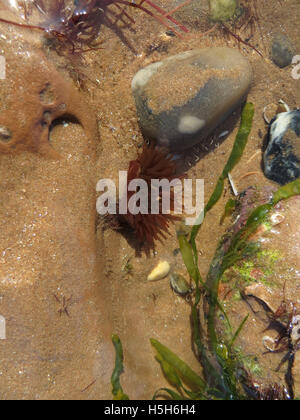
(179, 284)
(282, 156)
(282, 51)
(182, 99)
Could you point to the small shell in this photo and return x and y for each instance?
(234, 189)
(285, 106)
(277, 218)
(295, 336)
(271, 110)
(179, 284)
(160, 271)
(269, 343)
(5, 134)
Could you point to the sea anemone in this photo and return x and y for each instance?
(152, 163)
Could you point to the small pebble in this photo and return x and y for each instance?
(160, 271)
(282, 51)
(179, 284)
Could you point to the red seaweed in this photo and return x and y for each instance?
(78, 27)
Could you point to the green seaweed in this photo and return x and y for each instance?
(178, 372)
(237, 333)
(239, 244)
(265, 260)
(174, 395)
(190, 261)
(188, 258)
(236, 296)
(250, 363)
(127, 267)
(229, 209)
(235, 156)
(245, 271)
(269, 256)
(220, 361)
(238, 249)
(178, 366)
(117, 390)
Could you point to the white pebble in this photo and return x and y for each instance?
(160, 271)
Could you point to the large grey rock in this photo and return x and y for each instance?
(182, 99)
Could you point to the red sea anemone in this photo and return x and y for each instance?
(152, 163)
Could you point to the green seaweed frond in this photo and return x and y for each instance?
(117, 389)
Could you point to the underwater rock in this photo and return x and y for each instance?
(182, 99)
(282, 156)
(281, 51)
(264, 294)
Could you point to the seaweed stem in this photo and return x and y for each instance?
(239, 39)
